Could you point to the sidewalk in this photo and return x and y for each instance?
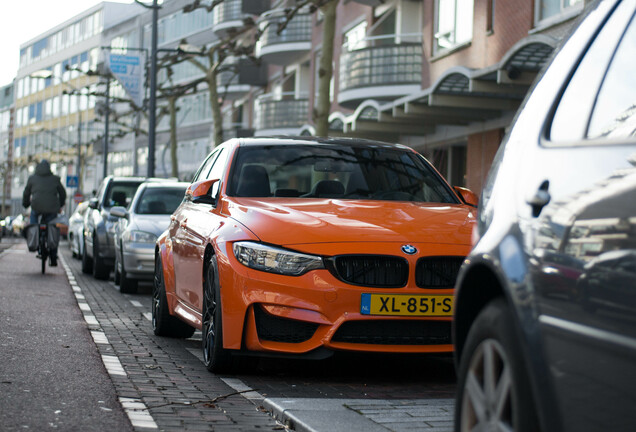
(51, 375)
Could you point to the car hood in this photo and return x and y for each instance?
(155, 224)
(289, 222)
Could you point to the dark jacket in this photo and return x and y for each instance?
(44, 191)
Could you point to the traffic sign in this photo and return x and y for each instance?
(72, 181)
(78, 198)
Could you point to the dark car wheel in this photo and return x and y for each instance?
(126, 284)
(215, 357)
(164, 324)
(493, 391)
(87, 262)
(100, 271)
(116, 271)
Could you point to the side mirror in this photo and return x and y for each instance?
(93, 203)
(467, 196)
(199, 192)
(119, 211)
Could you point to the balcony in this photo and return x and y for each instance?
(382, 68)
(280, 114)
(290, 44)
(228, 15)
(239, 76)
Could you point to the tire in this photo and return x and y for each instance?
(100, 271)
(215, 357)
(87, 262)
(492, 346)
(117, 273)
(164, 324)
(126, 284)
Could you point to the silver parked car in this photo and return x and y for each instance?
(138, 228)
(76, 230)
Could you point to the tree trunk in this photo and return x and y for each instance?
(325, 70)
(172, 104)
(215, 105)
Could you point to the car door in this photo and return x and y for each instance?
(579, 220)
(194, 222)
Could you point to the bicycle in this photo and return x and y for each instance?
(43, 247)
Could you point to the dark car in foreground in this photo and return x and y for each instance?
(545, 312)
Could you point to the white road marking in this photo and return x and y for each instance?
(84, 307)
(240, 386)
(91, 320)
(136, 303)
(113, 366)
(148, 316)
(99, 337)
(138, 413)
(80, 296)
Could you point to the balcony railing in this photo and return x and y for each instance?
(385, 66)
(228, 14)
(286, 46)
(283, 111)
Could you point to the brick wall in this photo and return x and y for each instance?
(480, 152)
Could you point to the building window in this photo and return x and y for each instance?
(551, 8)
(454, 23)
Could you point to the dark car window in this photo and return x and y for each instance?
(317, 171)
(614, 114)
(120, 194)
(571, 117)
(159, 200)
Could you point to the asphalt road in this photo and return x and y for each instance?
(51, 375)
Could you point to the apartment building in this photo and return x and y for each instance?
(55, 99)
(7, 206)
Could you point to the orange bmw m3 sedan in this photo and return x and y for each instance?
(306, 246)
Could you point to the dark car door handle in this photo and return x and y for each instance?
(540, 199)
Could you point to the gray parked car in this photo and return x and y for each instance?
(138, 228)
(99, 226)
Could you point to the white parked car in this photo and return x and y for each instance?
(76, 230)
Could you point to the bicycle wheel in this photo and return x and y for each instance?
(43, 249)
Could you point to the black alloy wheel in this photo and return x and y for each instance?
(493, 391)
(215, 357)
(164, 324)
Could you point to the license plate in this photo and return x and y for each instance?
(406, 305)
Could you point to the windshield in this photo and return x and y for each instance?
(160, 201)
(319, 171)
(120, 194)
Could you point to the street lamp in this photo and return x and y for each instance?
(46, 74)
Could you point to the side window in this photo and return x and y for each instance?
(614, 114)
(218, 166)
(571, 117)
(205, 168)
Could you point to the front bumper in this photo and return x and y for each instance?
(139, 260)
(285, 314)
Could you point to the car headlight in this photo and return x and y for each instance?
(139, 237)
(275, 260)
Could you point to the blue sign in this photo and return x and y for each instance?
(128, 70)
(72, 181)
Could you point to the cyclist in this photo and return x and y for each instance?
(46, 196)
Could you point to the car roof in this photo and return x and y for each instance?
(312, 140)
(168, 183)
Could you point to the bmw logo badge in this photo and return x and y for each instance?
(409, 250)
